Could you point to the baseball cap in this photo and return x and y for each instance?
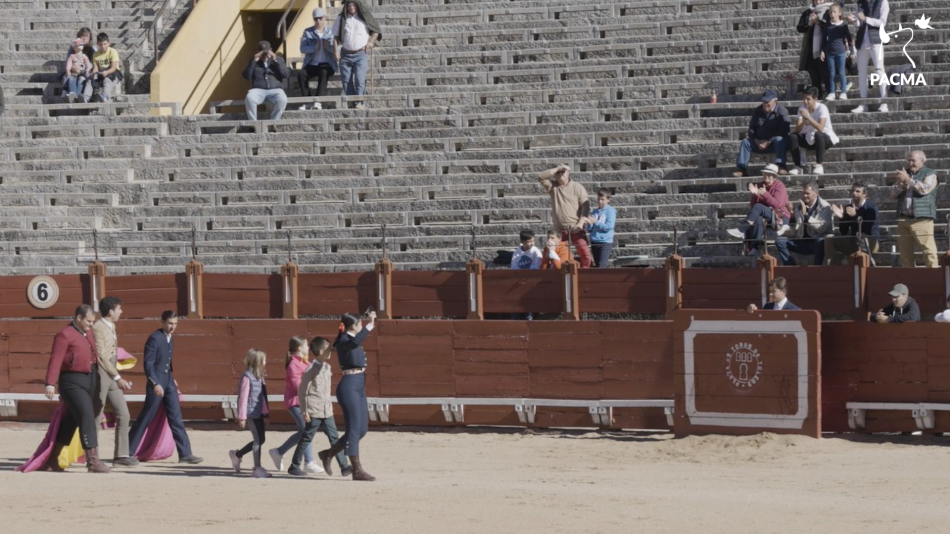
(771, 168)
(319, 12)
(899, 289)
(769, 96)
(263, 46)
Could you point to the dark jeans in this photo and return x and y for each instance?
(601, 253)
(758, 218)
(77, 391)
(322, 72)
(328, 426)
(804, 246)
(351, 394)
(256, 426)
(799, 144)
(172, 411)
(294, 439)
(818, 72)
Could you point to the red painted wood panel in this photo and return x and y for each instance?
(925, 285)
(147, 296)
(721, 288)
(73, 291)
(506, 291)
(243, 296)
(622, 291)
(335, 293)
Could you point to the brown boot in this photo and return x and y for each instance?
(326, 456)
(93, 465)
(358, 473)
(52, 463)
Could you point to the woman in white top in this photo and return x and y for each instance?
(814, 132)
(944, 316)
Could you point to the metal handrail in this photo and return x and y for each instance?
(282, 25)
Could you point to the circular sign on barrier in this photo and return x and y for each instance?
(42, 292)
(743, 365)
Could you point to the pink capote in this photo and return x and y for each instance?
(43, 452)
(157, 442)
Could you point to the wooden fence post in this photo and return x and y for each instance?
(384, 286)
(194, 271)
(767, 269)
(861, 262)
(97, 283)
(288, 273)
(474, 271)
(570, 270)
(674, 290)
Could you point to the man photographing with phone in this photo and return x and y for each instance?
(267, 73)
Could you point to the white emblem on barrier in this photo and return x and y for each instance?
(743, 365)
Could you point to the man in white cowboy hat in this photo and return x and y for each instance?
(903, 308)
(768, 204)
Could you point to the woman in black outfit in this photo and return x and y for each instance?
(351, 393)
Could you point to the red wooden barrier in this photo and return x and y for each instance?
(147, 296)
(721, 288)
(829, 289)
(430, 294)
(335, 293)
(508, 291)
(73, 291)
(925, 285)
(251, 296)
(623, 291)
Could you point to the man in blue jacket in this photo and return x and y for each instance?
(161, 389)
(319, 61)
(778, 297)
(768, 133)
(267, 73)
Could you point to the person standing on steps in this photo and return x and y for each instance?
(162, 389)
(870, 17)
(73, 367)
(356, 32)
(111, 384)
(351, 393)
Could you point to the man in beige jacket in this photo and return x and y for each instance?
(316, 405)
(570, 209)
(111, 383)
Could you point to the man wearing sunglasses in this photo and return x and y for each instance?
(319, 60)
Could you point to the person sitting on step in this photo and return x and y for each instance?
(813, 132)
(768, 133)
(768, 202)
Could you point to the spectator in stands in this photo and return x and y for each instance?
(602, 221)
(3, 106)
(812, 132)
(813, 220)
(88, 48)
(915, 191)
(267, 73)
(768, 133)
(903, 308)
(356, 32)
(78, 71)
(106, 70)
(870, 16)
(778, 297)
(555, 252)
(812, 24)
(861, 207)
(527, 256)
(320, 56)
(944, 316)
(769, 201)
(837, 47)
(570, 208)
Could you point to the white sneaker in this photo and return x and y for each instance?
(847, 88)
(818, 169)
(859, 109)
(71, 97)
(794, 170)
(314, 468)
(844, 96)
(883, 108)
(360, 106)
(277, 458)
(317, 105)
(235, 461)
(782, 229)
(736, 233)
(829, 97)
(260, 472)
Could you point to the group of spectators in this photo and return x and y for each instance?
(92, 71)
(327, 49)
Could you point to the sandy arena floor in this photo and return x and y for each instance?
(506, 482)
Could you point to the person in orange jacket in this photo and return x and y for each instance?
(555, 251)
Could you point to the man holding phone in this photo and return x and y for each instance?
(267, 73)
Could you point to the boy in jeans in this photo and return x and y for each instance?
(106, 73)
(602, 221)
(317, 408)
(527, 256)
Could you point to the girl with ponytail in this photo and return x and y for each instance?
(295, 362)
(351, 393)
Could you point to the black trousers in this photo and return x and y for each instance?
(322, 72)
(77, 391)
(798, 144)
(818, 72)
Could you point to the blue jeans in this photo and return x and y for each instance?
(754, 224)
(808, 245)
(76, 85)
(294, 439)
(256, 97)
(328, 426)
(353, 69)
(601, 253)
(747, 147)
(836, 68)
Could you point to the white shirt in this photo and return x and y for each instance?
(878, 22)
(780, 305)
(943, 317)
(355, 34)
(809, 131)
(168, 338)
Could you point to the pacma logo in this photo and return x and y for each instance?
(906, 78)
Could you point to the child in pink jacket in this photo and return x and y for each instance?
(296, 363)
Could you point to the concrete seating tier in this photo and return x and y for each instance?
(470, 100)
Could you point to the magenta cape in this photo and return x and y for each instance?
(157, 442)
(43, 452)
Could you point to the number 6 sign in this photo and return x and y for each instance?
(42, 292)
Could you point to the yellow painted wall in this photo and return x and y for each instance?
(206, 60)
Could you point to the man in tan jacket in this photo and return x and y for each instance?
(570, 209)
(316, 405)
(111, 383)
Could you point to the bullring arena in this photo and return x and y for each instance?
(638, 381)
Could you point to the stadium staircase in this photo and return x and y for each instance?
(469, 100)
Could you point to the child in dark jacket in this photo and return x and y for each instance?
(837, 46)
